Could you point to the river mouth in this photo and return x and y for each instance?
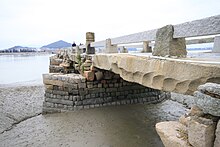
(112, 126)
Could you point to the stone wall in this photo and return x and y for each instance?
(67, 92)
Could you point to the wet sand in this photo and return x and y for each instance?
(114, 126)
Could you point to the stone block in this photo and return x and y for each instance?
(89, 75)
(168, 134)
(217, 134)
(99, 75)
(166, 45)
(82, 85)
(73, 86)
(201, 132)
(207, 103)
(53, 82)
(59, 101)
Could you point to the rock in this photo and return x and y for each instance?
(196, 111)
(207, 103)
(165, 44)
(168, 134)
(89, 75)
(211, 89)
(217, 134)
(201, 132)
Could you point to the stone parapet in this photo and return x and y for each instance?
(67, 92)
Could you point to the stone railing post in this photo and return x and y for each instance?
(109, 48)
(216, 47)
(90, 37)
(166, 45)
(146, 47)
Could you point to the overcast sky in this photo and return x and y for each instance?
(39, 22)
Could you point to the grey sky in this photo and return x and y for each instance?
(39, 22)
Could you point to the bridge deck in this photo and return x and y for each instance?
(182, 75)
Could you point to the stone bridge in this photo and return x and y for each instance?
(79, 80)
(168, 74)
(87, 79)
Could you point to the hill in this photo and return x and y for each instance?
(19, 49)
(56, 45)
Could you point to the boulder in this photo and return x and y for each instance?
(211, 89)
(207, 103)
(168, 134)
(201, 132)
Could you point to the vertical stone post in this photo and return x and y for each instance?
(216, 47)
(146, 47)
(109, 48)
(90, 37)
(166, 45)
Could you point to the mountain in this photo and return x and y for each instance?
(56, 45)
(19, 49)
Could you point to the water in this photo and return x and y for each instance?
(20, 68)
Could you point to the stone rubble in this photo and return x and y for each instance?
(202, 122)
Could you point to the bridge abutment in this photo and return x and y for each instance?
(68, 92)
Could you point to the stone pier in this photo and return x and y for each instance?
(68, 92)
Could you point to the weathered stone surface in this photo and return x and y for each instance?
(207, 103)
(168, 134)
(202, 27)
(163, 74)
(165, 45)
(89, 75)
(217, 134)
(196, 111)
(211, 89)
(201, 132)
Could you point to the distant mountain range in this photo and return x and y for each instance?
(19, 49)
(57, 45)
(52, 46)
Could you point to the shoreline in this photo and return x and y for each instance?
(27, 53)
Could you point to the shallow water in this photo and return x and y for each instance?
(18, 68)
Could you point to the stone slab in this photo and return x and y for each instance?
(159, 73)
(217, 134)
(168, 134)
